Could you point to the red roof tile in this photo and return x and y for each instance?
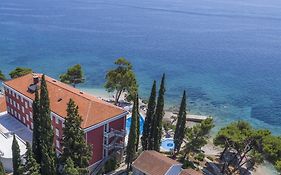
(190, 172)
(91, 109)
(154, 163)
(2, 104)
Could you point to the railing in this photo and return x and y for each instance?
(115, 133)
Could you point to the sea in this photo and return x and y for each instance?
(225, 53)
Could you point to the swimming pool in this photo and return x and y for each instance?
(167, 144)
(128, 124)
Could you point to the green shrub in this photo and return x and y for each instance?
(110, 165)
(199, 156)
(187, 164)
(167, 126)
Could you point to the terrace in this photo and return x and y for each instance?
(9, 126)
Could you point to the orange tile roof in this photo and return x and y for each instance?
(154, 163)
(2, 104)
(92, 109)
(190, 172)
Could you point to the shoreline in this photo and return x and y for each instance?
(210, 149)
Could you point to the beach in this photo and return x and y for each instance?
(209, 149)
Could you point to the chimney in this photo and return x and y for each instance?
(35, 78)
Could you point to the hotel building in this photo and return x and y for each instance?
(103, 123)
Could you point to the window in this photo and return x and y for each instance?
(25, 105)
(31, 125)
(30, 104)
(31, 115)
(14, 104)
(106, 128)
(21, 99)
(16, 114)
(22, 109)
(57, 144)
(27, 117)
(57, 120)
(12, 111)
(57, 132)
(18, 106)
(11, 102)
(17, 96)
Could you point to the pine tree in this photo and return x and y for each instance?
(31, 167)
(131, 146)
(147, 143)
(46, 135)
(74, 143)
(180, 127)
(2, 170)
(36, 128)
(159, 113)
(16, 157)
(138, 123)
(69, 168)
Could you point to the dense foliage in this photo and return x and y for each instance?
(73, 76)
(69, 168)
(131, 146)
(73, 142)
(180, 126)
(2, 76)
(242, 141)
(2, 171)
(110, 165)
(147, 127)
(19, 71)
(36, 146)
(48, 166)
(197, 136)
(159, 113)
(16, 157)
(122, 79)
(31, 167)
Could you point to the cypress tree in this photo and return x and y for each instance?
(180, 127)
(16, 157)
(74, 143)
(36, 128)
(46, 135)
(131, 146)
(138, 123)
(159, 113)
(148, 123)
(2, 170)
(69, 168)
(31, 167)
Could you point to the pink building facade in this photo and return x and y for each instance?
(105, 137)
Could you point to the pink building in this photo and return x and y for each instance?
(103, 123)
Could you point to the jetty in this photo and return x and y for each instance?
(196, 118)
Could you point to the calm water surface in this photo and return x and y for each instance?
(227, 54)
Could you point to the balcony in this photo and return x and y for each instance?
(115, 133)
(114, 145)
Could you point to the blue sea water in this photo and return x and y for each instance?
(225, 53)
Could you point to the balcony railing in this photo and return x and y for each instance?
(115, 133)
